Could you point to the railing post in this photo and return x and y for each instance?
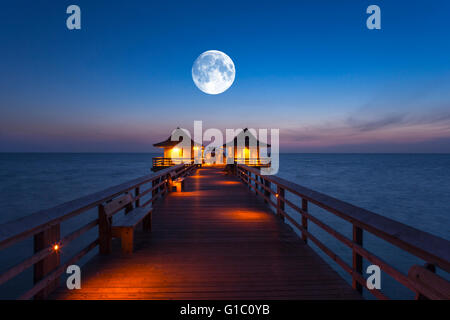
(304, 220)
(280, 203)
(357, 259)
(267, 193)
(166, 185)
(161, 188)
(431, 267)
(154, 192)
(136, 194)
(104, 231)
(47, 239)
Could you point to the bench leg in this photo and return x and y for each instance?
(105, 234)
(147, 223)
(127, 240)
(179, 186)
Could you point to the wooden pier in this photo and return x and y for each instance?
(204, 246)
(220, 239)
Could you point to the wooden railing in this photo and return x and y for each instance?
(434, 250)
(44, 227)
(169, 162)
(253, 162)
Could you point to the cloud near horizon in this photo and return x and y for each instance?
(357, 132)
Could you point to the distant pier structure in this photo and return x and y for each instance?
(245, 148)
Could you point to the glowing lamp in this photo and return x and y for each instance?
(56, 247)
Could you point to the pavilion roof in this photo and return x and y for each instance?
(170, 143)
(247, 133)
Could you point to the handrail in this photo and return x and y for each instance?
(45, 227)
(168, 162)
(253, 162)
(19, 229)
(165, 162)
(433, 249)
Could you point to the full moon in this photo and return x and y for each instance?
(213, 72)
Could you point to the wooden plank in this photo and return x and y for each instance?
(117, 204)
(104, 231)
(429, 284)
(52, 277)
(357, 258)
(46, 240)
(393, 272)
(424, 245)
(132, 219)
(216, 240)
(280, 202)
(29, 262)
(22, 228)
(304, 219)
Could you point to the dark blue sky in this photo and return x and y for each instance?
(310, 68)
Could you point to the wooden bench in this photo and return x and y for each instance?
(428, 284)
(123, 227)
(177, 183)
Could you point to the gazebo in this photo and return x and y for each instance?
(246, 148)
(173, 154)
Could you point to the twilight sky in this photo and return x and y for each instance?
(310, 68)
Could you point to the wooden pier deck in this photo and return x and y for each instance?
(223, 237)
(215, 240)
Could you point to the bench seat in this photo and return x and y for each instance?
(177, 183)
(124, 226)
(428, 284)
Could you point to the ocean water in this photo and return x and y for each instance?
(411, 188)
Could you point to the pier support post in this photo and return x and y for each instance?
(304, 220)
(104, 231)
(162, 187)
(154, 192)
(267, 184)
(136, 194)
(47, 239)
(430, 267)
(280, 202)
(357, 259)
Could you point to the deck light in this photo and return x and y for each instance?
(56, 247)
